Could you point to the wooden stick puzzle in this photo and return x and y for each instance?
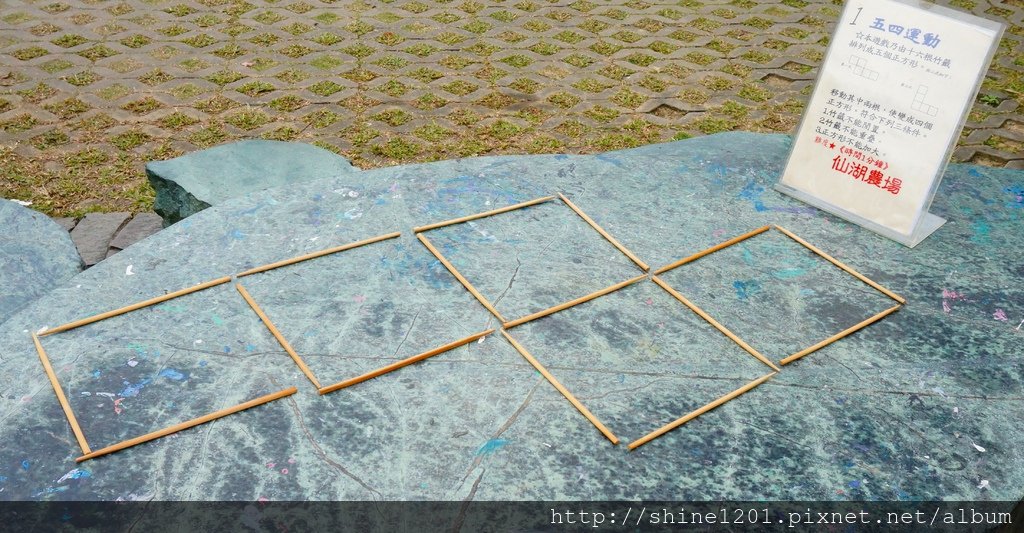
(505, 325)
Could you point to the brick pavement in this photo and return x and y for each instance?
(91, 89)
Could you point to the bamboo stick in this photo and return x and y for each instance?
(565, 392)
(321, 253)
(839, 264)
(725, 331)
(404, 362)
(75, 428)
(133, 307)
(572, 303)
(277, 335)
(669, 427)
(186, 425)
(712, 250)
(840, 335)
(465, 282)
(467, 218)
(643, 266)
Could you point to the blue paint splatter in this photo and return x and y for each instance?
(1018, 196)
(96, 374)
(227, 349)
(26, 464)
(202, 363)
(974, 173)
(3, 478)
(171, 373)
(236, 234)
(492, 446)
(131, 391)
(250, 348)
(752, 192)
(78, 473)
(855, 484)
(745, 289)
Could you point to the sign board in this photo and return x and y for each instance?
(887, 109)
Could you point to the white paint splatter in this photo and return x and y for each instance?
(128, 271)
(983, 485)
(22, 202)
(976, 447)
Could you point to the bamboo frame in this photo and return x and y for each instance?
(189, 424)
(841, 265)
(694, 414)
(404, 362)
(462, 279)
(321, 253)
(565, 392)
(840, 335)
(725, 331)
(572, 303)
(643, 266)
(277, 334)
(712, 250)
(75, 428)
(498, 211)
(135, 306)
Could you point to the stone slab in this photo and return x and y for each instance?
(919, 406)
(92, 235)
(36, 255)
(188, 184)
(141, 225)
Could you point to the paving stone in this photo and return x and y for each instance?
(35, 255)
(93, 234)
(139, 227)
(468, 77)
(188, 184)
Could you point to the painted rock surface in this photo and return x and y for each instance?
(916, 406)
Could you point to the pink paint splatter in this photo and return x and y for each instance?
(271, 465)
(262, 499)
(291, 460)
(649, 301)
(718, 233)
(284, 471)
(360, 299)
(951, 296)
(117, 406)
(1000, 315)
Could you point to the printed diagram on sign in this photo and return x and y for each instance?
(859, 67)
(919, 104)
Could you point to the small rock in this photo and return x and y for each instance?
(93, 234)
(141, 226)
(67, 223)
(188, 184)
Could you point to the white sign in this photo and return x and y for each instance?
(887, 110)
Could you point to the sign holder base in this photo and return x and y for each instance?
(926, 225)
